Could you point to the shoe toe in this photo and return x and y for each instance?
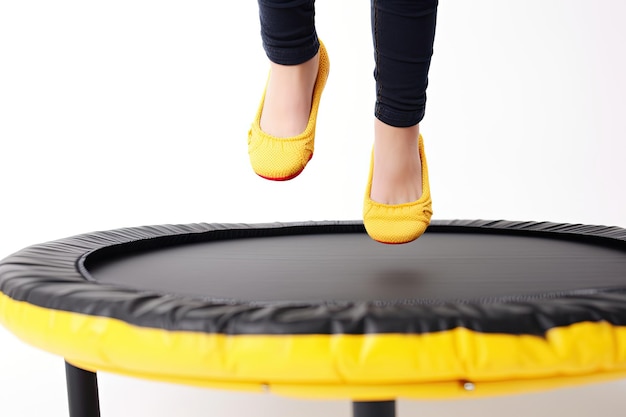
(395, 225)
(278, 159)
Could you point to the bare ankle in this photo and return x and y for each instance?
(397, 165)
(288, 98)
(398, 135)
(297, 72)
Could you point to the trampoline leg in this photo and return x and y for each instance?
(82, 392)
(374, 409)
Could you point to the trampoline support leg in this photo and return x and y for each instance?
(374, 409)
(82, 392)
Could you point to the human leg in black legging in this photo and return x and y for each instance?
(403, 33)
(291, 44)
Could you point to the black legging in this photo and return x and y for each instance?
(403, 32)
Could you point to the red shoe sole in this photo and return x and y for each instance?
(282, 178)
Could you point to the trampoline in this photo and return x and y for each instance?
(319, 310)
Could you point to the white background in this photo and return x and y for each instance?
(135, 112)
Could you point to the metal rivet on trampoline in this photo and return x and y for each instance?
(469, 386)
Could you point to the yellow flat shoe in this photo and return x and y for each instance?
(398, 223)
(281, 159)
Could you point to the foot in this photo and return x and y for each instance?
(288, 97)
(397, 176)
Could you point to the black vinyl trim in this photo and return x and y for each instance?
(55, 275)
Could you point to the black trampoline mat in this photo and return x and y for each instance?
(351, 267)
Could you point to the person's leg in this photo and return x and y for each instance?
(403, 33)
(291, 44)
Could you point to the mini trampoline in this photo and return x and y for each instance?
(319, 310)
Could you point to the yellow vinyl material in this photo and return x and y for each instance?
(361, 367)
